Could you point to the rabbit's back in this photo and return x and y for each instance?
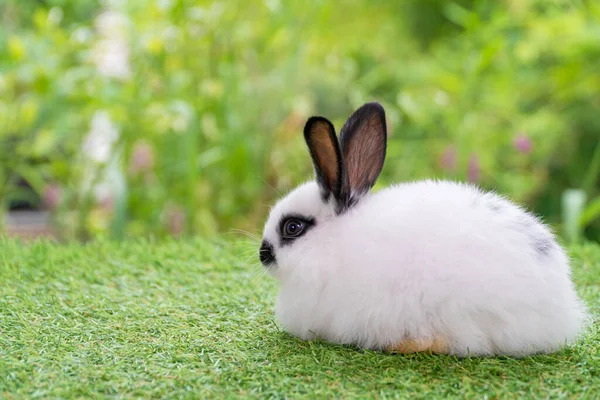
(447, 259)
(455, 219)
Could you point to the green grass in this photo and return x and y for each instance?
(194, 319)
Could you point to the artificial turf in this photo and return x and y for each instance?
(194, 319)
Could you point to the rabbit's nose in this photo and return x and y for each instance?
(266, 253)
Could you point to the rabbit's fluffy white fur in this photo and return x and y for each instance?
(423, 260)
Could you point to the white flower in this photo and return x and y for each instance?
(111, 54)
(182, 116)
(98, 143)
(100, 157)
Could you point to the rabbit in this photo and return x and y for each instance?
(428, 266)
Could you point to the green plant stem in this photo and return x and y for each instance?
(593, 172)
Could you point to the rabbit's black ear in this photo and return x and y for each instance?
(324, 149)
(363, 141)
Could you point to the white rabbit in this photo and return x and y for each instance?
(431, 266)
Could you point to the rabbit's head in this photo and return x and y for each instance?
(345, 171)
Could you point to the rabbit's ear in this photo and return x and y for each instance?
(324, 149)
(363, 141)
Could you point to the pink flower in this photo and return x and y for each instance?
(107, 203)
(523, 143)
(175, 220)
(142, 158)
(448, 158)
(105, 196)
(51, 196)
(474, 169)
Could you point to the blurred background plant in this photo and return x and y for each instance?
(184, 117)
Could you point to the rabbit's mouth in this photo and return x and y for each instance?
(267, 254)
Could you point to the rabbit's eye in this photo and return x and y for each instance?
(293, 228)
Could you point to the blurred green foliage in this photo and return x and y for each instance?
(209, 100)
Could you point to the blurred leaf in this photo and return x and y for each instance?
(32, 175)
(593, 172)
(460, 15)
(590, 213)
(573, 201)
(16, 49)
(44, 142)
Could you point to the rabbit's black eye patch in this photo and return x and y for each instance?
(292, 227)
